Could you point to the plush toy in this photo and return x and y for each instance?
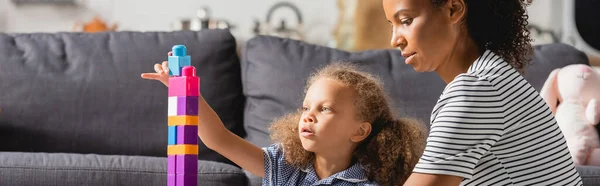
(572, 93)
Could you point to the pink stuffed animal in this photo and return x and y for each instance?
(573, 92)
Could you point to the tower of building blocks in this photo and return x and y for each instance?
(182, 150)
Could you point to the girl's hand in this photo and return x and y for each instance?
(161, 74)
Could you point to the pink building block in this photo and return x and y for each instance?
(172, 162)
(172, 180)
(186, 85)
(187, 164)
(187, 134)
(187, 179)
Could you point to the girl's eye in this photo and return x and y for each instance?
(406, 21)
(304, 108)
(325, 109)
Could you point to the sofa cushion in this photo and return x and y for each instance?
(590, 175)
(549, 57)
(82, 92)
(274, 73)
(291, 62)
(103, 170)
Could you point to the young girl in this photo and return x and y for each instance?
(345, 134)
(490, 126)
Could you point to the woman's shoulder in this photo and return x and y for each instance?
(468, 82)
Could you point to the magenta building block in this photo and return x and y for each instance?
(187, 105)
(172, 163)
(187, 164)
(186, 85)
(171, 180)
(187, 179)
(187, 134)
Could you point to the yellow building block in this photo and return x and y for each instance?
(182, 120)
(182, 149)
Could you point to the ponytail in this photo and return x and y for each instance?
(392, 150)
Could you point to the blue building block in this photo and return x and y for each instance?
(178, 60)
(172, 137)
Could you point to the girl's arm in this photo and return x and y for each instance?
(215, 136)
(213, 133)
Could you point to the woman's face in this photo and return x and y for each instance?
(424, 33)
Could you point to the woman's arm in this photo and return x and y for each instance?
(418, 179)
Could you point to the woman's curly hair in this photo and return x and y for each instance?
(388, 154)
(501, 27)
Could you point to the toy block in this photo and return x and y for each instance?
(172, 164)
(172, 180)
(187, 105)
(187, 135)
(172, 104)
(182, 149)
(182, 120)
(187, 164)
(186, 85)
(178, 60)
(183, 105)
(172, 136)
(187, 179)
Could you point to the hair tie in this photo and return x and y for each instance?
(378, 125)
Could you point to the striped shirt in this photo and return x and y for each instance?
(279, 172)
(491, 127)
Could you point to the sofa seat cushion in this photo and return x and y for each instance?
(82, 92)
(590, 175)
(68, 169)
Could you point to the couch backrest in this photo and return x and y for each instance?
(82, 93)
(274, 73)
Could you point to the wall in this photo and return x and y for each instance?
(158, 15)
(547, 14)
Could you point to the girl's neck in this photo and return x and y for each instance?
(328, 164)
(462, 56)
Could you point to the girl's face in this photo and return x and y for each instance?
(329, 120)
(423, 33)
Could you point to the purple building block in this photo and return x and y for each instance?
(187, 164)
(187, 134)
(187, 179)
(171, 180)
(187, 105)
(172, 163)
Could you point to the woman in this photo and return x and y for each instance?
(489, 126)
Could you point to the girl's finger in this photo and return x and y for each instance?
(165, 67)
(150, 76)
(170, 53)
(157, 68)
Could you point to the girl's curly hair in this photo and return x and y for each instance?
(501, 27)
(388, 154)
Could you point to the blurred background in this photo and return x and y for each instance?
(331, 23)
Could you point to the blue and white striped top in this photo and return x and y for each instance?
(491, 127)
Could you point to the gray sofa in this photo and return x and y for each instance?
(74, 110)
